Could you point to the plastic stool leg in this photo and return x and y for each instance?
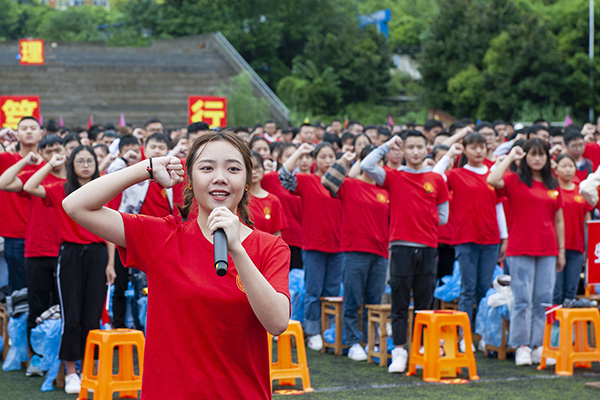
(126, 369)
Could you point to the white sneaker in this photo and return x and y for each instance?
(462, 346)
(536, 357)
(33, 368)
(357, 353)
(399, 358)
(72, 384)
(481, 345)
(315, 342)
(523, 356)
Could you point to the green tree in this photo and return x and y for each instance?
(459, 36)
(243, 107)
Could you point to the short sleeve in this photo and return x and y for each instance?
(302, 180)
(275, 263)
(278, 215)
(509, 178)
(145, 237)
(443, 193)
(55, 194)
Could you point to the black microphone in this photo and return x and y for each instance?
(220, 243)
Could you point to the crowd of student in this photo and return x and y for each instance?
(358, 205)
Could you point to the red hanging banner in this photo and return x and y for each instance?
(31, 52)
(209, 109)
(13, 108)
(593, 253)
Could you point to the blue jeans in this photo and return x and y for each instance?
(567, 280)
(322, 277)
(532, 286)
(14, 254)
(364, 281)
(477, 262)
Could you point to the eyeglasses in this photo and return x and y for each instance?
(81, 161)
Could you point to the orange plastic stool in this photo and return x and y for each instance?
(104, 384)
(568, 353)
(433, 326)
(285, 370)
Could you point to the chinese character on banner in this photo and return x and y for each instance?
(593, 253)
(31, 52)
(209, 109)
(13, 108)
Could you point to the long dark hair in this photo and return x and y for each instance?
(536, 145)
(235, 141)
(72, 183)
(471, 138)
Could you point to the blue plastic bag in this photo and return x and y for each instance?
(17, 353)
(45, 340)
(297, 293)
(142, 310)
(450, 288)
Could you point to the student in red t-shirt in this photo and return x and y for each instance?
(206, 335)
(265, 209)
(478, 229)
(575, 146)
(418, 205)
(365, 227)
(446, 252)
(536, 242)
(15, 208)
(292, 207)
(82, 261)
(576, 212)
(322, 216)
(42, 241)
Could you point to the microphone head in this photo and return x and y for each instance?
(221, 268)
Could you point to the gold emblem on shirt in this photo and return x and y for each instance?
(240, 285)
(267, 212)
(428, 187)
(578, 199)
(553, 194)
(382, 198)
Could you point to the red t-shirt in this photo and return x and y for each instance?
(43, 236)
(322, 215)
(365, 217)
(574, 210)
(413, 211)
(14, 208)
(488, 163)
(267, 213)
(70, 230)
(292, 208)
(446, 232)
(531, 215)
(156, 203)
(592, 153)
(203, 341)
(474, 207)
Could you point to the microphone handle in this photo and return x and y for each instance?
(220, 244)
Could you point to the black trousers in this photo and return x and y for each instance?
(82, 288)
(446, 258)
(410, 268)
(119, 302)
(296, 257)
(42, 293)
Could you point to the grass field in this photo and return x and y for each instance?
(339, 378)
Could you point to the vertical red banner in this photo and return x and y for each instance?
(593, 253)
(209, 109)
(31, 52)
(13, 108)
